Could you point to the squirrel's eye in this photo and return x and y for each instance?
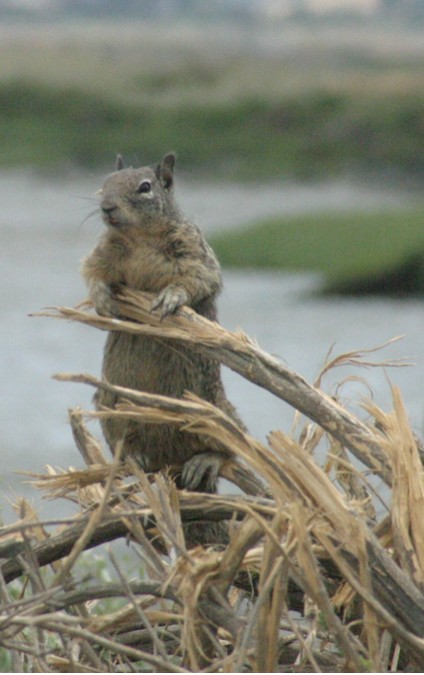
(144, 186)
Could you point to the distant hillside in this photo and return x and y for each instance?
(240, 100)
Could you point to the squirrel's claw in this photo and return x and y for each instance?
(169, 300)
(201, 471)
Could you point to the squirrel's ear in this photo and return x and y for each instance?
(119, 163)
(165, 170)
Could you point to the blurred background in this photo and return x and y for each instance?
(299, 130)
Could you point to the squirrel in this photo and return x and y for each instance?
(150, 246)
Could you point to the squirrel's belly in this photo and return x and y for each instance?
(151, 365)
(156, 367)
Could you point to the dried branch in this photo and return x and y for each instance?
(237, 352)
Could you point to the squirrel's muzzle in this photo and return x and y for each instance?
(110, 212)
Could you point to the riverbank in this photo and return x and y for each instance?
(341, 246)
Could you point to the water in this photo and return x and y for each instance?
(43, 237)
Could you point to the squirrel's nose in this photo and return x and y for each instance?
(107, 207)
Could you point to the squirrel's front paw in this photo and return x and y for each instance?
(169, 300)
(102, 298)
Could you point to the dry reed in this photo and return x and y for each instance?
(312, 579)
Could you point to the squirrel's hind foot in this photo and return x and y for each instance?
(200, 472)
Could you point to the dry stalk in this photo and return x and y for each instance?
(272, 598)
(400, 445)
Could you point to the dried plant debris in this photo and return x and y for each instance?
(318, 575)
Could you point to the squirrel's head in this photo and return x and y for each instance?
(134, 197)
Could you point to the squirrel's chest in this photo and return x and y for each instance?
(149, 267)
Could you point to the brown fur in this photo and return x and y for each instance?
(149, 246)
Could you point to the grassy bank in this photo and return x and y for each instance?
(310, 135)
(306, 136)
(338, 245)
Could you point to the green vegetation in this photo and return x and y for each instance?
(338, 245)
(305, 136)
(308, 136)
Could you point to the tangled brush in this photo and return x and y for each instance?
(314, 576)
